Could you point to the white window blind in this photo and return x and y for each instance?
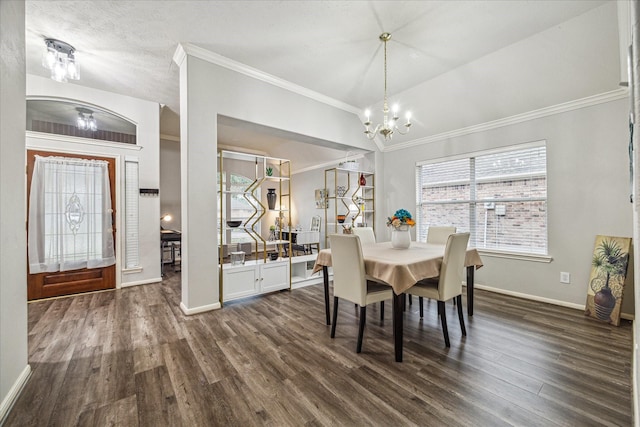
(500, 197)
(131, 212)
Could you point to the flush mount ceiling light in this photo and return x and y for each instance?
(59, 57)
(388, 126)
(85, 120)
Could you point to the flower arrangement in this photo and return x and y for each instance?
(401, 218)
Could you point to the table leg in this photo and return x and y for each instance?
(325, 279)
(398, 308)
(470, 273)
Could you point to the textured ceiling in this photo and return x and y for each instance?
(330, 47)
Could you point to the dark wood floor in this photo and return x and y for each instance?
(130, 357)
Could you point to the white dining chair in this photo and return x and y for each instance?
(366, 234)
(350, 281)
(449, 284)
(315, 227)
(439, 234)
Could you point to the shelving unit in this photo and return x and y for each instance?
(301, 271)
(242, 187)
(346, 196)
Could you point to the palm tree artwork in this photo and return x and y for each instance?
(608, 274)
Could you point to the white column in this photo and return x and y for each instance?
(198, 170)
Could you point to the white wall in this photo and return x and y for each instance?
(304, 208)
(146, 115)
(634, 79)
(588, 193)
(14, 370)
(206, 91)
(170, 183)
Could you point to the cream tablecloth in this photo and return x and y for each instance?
(401, 268)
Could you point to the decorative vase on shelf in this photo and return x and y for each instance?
(271, 198)
(363, 180)
(401, 237)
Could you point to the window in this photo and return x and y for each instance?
(131, 214)
(69, 118)
(500, 197)
(70, 215)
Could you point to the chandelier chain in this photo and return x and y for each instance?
(385, 74)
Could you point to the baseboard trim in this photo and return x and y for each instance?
(201, 309)
(530, 297)
(14, 392)
(581, 307)
(141, 282)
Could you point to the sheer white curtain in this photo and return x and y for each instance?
(70, 215)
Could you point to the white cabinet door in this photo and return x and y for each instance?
(240, 282)
(274, 276)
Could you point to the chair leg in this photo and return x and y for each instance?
(363, 318)
(381, 311)
(458, 300)
(421, 304)
(404, 302)
(443, 320)
(410, 300)
(335, 317)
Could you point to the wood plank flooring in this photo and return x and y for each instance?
(131, 358)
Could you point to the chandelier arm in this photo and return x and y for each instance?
(406, 125)
(388, 126)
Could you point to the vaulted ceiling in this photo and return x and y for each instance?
(332, 47)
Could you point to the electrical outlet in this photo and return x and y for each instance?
(565, 277)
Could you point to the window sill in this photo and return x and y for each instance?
(515, 255)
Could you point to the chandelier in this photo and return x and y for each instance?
(59, 57)
(388, 125)
(86, 123)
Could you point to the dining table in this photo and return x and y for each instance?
(401, 269)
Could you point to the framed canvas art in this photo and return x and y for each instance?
(321, 199)
(606, 281)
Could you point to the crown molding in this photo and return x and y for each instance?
(223, 61)
(179, 55)
(589, 101)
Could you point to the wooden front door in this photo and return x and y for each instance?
(45, 285)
